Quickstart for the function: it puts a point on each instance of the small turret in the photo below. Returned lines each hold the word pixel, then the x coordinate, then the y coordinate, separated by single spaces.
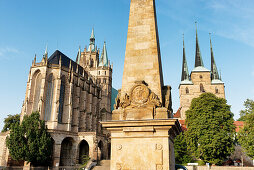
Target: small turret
pixel 104 57
pixel 185 73
pixel 199 65
pixel 92 42
pixel 198 57
pixel 78 56
pixel 214 70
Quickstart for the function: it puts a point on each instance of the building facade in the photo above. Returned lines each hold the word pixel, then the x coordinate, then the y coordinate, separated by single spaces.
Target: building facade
pixel 72 97
pixel 199 81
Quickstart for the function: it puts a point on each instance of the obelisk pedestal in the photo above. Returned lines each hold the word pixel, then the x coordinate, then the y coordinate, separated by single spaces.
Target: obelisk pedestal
pixel 142 130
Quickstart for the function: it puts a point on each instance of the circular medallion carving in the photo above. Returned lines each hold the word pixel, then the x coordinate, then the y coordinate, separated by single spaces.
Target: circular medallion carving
pixel 119 147
pixel 159 146
pixel 139 94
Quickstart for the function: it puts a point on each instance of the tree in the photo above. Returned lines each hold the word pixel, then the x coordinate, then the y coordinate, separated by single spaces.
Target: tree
pixel 249 109
pixel 10 121
pixel 210 133
pixel 246 135
pixel 182 155
pixel 30 141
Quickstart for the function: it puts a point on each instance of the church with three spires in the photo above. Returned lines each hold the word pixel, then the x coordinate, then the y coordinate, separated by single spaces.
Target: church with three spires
pixel 199 81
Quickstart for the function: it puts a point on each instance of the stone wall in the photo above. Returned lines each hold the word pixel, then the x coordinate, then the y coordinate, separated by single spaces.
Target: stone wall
pixel 3 149
pixel 219 168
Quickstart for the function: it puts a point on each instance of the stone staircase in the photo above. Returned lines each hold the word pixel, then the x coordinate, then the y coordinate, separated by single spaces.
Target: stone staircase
pixel 104 165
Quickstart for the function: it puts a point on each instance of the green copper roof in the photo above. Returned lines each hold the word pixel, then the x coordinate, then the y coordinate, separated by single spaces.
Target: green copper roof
pixel 200 69
pixel 185 72
pixel 214 70
pixel 92 34
pixel 104 56
pixel 198 57
pixel 91 47
pixel 78 56
pixel 217 81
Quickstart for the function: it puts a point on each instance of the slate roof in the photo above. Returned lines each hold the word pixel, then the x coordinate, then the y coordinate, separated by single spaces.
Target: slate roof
pixel 55 57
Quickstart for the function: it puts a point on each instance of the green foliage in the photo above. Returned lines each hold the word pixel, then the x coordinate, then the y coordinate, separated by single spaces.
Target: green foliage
pixel 85 159
pixel 210 134
pixel 10 121
pixel 30 141
pixel 249 109
pixel 246 135
pixel 182 155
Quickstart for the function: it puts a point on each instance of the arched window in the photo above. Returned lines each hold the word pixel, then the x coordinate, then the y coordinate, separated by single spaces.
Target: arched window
pixel 92 62
pixel 61 100
pixel 105 72
pixel 202 88
pixel 49 97
pixel 99 72
pixel 216 90
pixel 187 90
pixel 36 90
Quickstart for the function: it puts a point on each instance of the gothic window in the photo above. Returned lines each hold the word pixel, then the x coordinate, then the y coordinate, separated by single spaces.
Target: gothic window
pixel 216 90
pixel 36 90
pixel 187 90
pixel 49 97
pixel 202 88
pixel 61 100
pixel 92 62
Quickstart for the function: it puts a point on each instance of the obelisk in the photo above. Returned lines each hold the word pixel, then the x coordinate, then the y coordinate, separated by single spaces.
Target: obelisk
pixel 142 132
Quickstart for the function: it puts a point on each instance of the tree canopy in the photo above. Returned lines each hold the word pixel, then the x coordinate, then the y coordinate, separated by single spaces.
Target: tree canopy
pixel 246 135
pixel 182 155
pixel 210 133
pixel 249 109
pixel 10 121
pixel 30 141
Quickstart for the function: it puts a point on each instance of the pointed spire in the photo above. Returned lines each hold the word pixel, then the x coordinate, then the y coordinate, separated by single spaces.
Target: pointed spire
pixel 34 60
pixel 185 72
pixel 104 56
pixel 78 56
pixel 198 57
pixel 214 70
pixel 92 34
pixel 91 47
pixel 46 52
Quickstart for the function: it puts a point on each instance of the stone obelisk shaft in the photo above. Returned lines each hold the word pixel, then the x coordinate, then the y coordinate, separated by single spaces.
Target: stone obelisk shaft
pixel 142 57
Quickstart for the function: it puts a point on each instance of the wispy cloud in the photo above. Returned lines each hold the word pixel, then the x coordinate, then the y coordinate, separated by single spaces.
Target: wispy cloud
pixel 234 19
pixel 7 52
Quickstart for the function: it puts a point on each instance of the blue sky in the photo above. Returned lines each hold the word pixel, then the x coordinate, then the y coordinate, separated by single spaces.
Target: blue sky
pixel 27 26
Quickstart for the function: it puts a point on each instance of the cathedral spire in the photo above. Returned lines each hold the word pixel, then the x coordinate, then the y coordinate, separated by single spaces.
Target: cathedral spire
pixel 214 70
pixel 92 42
pixel 46 52
pixel 104 56
pixel 198 57
pixel 185 72
pixel 78 56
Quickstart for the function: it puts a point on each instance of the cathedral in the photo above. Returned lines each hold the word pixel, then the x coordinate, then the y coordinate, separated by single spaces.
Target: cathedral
pixel 72 97
pixel 199 81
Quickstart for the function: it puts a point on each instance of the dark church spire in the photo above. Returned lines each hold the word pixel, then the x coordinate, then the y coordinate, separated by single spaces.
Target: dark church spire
pixel 185 72
pixel 214 70
pixel 198 57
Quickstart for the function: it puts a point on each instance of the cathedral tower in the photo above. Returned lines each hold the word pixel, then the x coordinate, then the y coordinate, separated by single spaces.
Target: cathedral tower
pixel 200 80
